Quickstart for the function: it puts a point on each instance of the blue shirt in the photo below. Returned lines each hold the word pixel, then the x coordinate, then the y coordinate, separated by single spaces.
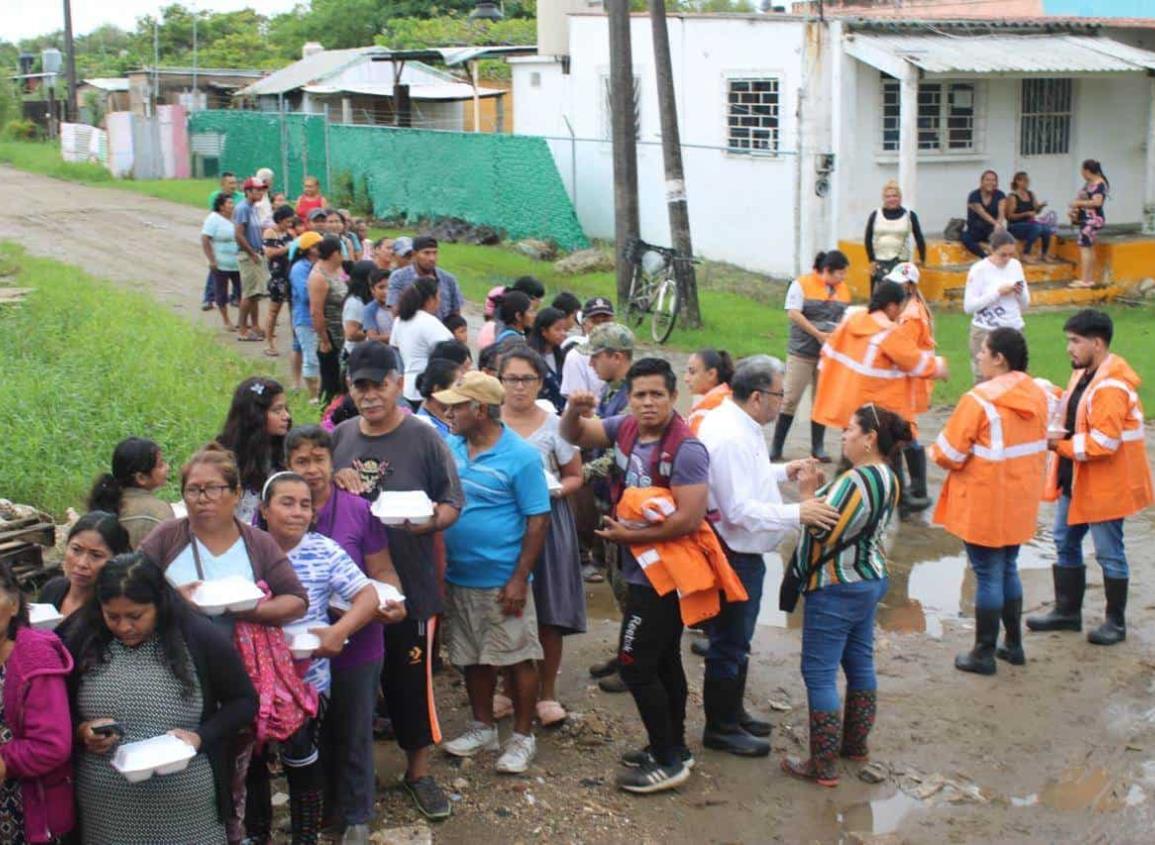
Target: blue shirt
pixel 451 298
pixel 299 292
pixel 503 486
pixel 245 214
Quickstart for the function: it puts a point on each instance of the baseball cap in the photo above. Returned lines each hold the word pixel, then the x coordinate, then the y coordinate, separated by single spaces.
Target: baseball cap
pixel 318 213
pixel 475 386
pixel 253 182
pixel 403 246
pixel 491 299
pixel 372 360
pixel 308 240
pixel 597 306
pixel 608 337
pixel 905 273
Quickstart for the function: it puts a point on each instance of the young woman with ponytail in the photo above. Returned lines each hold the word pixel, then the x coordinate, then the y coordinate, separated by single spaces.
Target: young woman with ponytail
pixel 129 491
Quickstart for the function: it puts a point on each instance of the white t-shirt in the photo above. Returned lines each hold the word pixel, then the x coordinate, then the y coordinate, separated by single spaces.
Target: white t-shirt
pixel 991 309
pixel 795 299
pixel 578 374
pixel 415 339
pixel 352 312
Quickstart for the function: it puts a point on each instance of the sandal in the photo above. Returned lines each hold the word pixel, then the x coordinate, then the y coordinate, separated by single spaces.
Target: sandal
pixel 550 713
pixel 272 353
pixel 502 707
pixel 248 337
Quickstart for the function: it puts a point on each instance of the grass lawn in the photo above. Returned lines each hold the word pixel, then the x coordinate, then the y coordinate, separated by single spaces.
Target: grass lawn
pixel 120 365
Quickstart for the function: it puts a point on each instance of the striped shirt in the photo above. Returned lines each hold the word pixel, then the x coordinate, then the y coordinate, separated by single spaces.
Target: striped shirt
pixel 845 553
pixel 324 570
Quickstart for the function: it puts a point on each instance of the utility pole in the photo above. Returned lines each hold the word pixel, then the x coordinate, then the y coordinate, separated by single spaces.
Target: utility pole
pixel 672 158
pixel 624 132
pixel 70 111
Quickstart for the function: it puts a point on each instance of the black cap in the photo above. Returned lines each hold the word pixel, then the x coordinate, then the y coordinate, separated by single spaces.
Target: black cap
pixel 372 360
pixel 598 305
pixel 424 242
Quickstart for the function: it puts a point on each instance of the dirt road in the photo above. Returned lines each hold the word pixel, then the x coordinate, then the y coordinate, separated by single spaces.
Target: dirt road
pixel 1062 750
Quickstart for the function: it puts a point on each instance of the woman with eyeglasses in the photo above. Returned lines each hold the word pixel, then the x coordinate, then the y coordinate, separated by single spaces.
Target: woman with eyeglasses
pixel 558 591
pixel 842 571
pixel 212 543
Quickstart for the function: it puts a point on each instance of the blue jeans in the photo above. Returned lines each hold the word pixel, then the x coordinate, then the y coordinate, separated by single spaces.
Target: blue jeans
pixel 733 628
pixel 210 288
pixel 973 240
pixel 1029 231
pixel 351 770
pixel 838 628
pixel 997 571
pixel 1107 538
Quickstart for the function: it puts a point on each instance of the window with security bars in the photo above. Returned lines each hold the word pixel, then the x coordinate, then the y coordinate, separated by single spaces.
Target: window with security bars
pixel 1045 122
pixel 752 116
pixel 608 108
pixel 946 116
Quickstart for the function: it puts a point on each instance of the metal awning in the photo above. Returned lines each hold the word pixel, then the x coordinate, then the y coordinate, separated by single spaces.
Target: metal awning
pixel 445 92
pixel 999 55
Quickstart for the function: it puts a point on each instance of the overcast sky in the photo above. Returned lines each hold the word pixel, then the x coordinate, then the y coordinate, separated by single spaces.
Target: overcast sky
pixel 26 18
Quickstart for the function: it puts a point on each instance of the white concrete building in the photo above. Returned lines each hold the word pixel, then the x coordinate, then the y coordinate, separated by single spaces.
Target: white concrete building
pixel 780 113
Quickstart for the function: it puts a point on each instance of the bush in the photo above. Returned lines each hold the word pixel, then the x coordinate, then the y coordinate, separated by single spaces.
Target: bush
pixel 22 130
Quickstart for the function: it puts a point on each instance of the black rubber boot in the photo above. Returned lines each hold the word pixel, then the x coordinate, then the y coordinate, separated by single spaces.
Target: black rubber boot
pixel 914 498
pixel 750 724
pixel 818 442
pixel 1067 614
pixel 981 659
pixel 1114 630
pixel 1012 648
pixel 781 429
pixel 722 732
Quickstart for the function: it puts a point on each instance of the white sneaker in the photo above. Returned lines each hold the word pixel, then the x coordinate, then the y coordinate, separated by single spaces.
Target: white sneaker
pixel 477 737
pixel 519 753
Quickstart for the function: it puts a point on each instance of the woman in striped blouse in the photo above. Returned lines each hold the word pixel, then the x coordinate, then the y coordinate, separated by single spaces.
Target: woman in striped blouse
pixel 843 574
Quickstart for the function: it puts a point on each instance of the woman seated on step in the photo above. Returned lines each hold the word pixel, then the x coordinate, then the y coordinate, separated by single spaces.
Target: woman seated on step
pixel 1024 220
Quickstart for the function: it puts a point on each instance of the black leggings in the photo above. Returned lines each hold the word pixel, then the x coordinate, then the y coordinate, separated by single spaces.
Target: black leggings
pixel 650 660
pixel 330 371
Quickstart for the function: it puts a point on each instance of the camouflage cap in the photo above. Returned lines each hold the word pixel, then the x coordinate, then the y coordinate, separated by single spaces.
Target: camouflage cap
pixel 608 337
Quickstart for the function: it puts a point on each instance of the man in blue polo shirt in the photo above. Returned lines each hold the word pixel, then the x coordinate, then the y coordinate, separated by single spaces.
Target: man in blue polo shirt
pixel 491 622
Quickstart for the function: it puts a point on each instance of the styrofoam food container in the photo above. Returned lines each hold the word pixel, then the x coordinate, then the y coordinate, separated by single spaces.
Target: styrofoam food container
pixel 385 592
pixel 179 510
pixel 552 482
pixel 396 507
pixel 43 616
pixel 233 593
pixel 161 755
pixel 302 641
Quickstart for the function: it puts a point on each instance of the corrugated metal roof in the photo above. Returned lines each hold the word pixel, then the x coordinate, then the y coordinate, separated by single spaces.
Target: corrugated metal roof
pixel 108 83
pixel 314 68
pixel 446 91
pixel 1025 54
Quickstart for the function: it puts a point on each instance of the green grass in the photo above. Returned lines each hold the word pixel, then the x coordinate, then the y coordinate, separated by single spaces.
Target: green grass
pixel 84 364
pixel 44 158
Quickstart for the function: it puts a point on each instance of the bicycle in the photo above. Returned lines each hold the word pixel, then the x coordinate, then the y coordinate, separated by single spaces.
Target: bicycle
pixel 654 288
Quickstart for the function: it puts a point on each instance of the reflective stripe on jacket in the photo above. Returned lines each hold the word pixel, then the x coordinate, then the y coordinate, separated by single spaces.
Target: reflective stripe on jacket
pixel 916 314
pixel 1111 479
pixel 994 448
pixel 870 358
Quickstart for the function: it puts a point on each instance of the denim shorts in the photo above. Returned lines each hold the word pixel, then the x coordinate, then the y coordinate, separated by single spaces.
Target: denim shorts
pixel 307 338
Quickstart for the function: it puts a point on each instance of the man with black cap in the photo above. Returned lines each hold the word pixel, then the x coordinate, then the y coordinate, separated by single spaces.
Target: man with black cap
pixel 425 264
pixel 384 449
pixel 577 373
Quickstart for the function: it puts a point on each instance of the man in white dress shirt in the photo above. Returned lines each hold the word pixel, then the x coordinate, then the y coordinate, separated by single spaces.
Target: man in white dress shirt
pixel 751 519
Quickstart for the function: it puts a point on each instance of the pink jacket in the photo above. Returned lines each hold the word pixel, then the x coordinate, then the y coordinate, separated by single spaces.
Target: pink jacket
pixel 37 712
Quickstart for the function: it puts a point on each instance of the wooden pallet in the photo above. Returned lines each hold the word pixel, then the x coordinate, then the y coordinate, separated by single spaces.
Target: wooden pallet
pixel 22 543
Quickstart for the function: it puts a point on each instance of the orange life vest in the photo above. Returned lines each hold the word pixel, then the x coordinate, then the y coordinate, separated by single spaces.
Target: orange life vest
pixel 1111 478
pixel 705 403
pixel 870 358
pixel 915 313
pixel 994 448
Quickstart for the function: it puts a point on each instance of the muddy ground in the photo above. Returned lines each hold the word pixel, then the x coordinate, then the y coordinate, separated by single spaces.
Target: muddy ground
pixel 1061 750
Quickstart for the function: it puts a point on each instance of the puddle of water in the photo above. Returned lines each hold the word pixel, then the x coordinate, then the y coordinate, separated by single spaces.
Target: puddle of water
pixel 1078 789
pixel 878 817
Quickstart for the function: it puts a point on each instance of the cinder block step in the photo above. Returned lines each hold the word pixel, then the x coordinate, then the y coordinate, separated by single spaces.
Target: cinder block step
pixel 1052 293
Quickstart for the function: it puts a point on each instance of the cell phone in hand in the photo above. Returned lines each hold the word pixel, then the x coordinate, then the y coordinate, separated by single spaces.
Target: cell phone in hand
pixel 110 729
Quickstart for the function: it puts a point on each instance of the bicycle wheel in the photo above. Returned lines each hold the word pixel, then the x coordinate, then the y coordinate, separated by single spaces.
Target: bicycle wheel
pixel 635 310
pixel 664 310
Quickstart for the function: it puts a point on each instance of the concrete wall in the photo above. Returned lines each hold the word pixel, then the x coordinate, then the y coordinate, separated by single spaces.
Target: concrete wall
pixel 504 181
pixel 741 206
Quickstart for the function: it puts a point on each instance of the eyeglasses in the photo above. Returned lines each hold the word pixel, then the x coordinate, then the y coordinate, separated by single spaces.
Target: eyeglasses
pixel 211 492
pixel 520 381
pixel 779 393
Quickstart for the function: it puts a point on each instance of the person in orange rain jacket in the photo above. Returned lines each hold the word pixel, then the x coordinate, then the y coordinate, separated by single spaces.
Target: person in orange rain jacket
pixel 916 314
pixel 708 374
pixel 994 449
pixel 1098 474
pixel 870 358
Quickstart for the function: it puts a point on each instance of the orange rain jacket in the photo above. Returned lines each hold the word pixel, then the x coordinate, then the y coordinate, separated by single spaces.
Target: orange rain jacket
pixel 1111 478
pixel 695 565
pixel 915 313
pixel 994 448
pixel 870 358
pixel 706 403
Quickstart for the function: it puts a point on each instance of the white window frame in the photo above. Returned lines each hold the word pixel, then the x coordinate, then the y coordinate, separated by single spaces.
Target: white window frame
pixel 942 150
pixel 779 91
pixel 1057 119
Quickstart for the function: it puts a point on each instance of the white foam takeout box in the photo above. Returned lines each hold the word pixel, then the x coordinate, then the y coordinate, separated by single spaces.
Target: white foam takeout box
pixel 43 616
pixel 302 642
pixel 385 592
pixel 396 507
pixel 233 593
pixel 161 755
pixel 553 483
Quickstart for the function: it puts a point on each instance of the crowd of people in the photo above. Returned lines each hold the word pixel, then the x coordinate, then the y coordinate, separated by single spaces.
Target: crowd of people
pixel 557 458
